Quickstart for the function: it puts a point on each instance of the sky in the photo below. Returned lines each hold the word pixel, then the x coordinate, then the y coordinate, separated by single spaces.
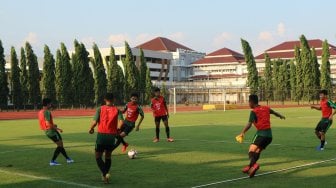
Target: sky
pixel 202 25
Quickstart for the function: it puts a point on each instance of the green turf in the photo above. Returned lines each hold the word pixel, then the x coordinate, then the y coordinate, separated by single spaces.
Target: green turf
pixel 204 152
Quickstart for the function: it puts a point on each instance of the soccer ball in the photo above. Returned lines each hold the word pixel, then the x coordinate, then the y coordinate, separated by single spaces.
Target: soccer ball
pixel 132 154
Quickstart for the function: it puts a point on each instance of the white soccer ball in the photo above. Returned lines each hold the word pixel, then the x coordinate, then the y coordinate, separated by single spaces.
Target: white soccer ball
pixel 132 154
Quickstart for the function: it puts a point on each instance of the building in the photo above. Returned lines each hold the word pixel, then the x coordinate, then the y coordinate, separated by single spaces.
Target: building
pixel 183 57
pixel 224 66
pixel 285 51
pixel 158 62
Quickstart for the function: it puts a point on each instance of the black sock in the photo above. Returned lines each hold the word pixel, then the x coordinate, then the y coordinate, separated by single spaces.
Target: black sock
pixel 62 150
pixel 322 143
pixel 122 141
pixel 101 165
pixel 56 153
pixel 157 130
pixel 107 165
pixel 253 158
pixel 168 132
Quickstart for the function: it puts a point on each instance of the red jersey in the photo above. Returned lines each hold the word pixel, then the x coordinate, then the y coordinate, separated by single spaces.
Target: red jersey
pixel 326 109
pixel 108 119
pixel 158 106
pixel 263 117
pixel 44 116
pixel 132 111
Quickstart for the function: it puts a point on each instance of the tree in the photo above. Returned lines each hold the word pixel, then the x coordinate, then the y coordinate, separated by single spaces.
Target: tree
pixel 276 85
pixel 316 72
pixel 48 78
pixel 293 79
pixel 283 80
pixel 131 71
pixel 4 91
pixel 252 77
pixel 100 76
pixel 268 78
pixel 308 67
pixel 64 88
pixel 34 92
pixel 143 72
pixel 149 86
pixel 115 77
pixel 16 95
pixel 325 68
pixel 299 75
pixel 24 77
pixel 83 81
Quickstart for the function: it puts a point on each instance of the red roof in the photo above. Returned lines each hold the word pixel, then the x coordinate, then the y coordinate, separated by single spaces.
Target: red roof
pixel 223 55
pixel 285 50
pixel 162 44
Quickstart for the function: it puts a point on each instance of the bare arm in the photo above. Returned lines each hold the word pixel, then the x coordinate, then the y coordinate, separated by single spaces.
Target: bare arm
pixel 277 114
pixel 166 108
pixel 246 128
pixel 140 121
pixel 93 125
pixel 316 107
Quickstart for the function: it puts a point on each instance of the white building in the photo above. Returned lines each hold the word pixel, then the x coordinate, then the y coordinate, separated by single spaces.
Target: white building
pixel 183 57
pixel 285 51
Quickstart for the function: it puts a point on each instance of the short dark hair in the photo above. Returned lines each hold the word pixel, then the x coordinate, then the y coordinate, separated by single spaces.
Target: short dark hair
pixel 46 101
pixel 135 95
pixel 323 91
pixel 254 99
pixel 109 96
pixel 156 89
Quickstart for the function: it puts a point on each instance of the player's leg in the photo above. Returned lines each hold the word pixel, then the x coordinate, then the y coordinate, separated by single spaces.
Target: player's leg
pixel 100 163
pixel 120 137
pixel 323 128
pixel 165 122
pixel 61 148
pixel 157 129
pixel 128 129
pixel 58 141
pixel 108 162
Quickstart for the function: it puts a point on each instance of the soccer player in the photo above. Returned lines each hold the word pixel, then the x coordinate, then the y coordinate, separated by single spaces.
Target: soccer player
pixel 106 118
pixel 133 110
pixel 260 117
pixel 52 132
pixel 160 112
pixel 323 125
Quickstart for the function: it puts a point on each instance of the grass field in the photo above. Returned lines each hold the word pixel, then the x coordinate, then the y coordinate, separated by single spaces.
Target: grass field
pixel 204 152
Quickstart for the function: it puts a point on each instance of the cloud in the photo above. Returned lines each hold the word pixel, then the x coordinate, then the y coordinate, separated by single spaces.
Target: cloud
pixel 31 38
pixel 220 39
pixel 143 37
pixel 281 29
pixel 265 36
pixel 178 36
pixel 88 41
pixel 118 39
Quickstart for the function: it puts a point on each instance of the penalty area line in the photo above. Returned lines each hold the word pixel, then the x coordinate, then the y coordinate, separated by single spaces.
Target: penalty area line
pixel 47 179
pixel 265 173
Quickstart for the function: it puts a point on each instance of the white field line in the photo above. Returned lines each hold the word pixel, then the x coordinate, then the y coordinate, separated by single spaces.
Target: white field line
pixel 265 173
pixel 47 179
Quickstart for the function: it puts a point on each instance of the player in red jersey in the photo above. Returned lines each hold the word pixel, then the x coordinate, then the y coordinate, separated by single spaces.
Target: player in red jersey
pixel 107 118
pixel 132 110
pixel 323 125
pixel 160 112
pixel 47 124
pixel 260 117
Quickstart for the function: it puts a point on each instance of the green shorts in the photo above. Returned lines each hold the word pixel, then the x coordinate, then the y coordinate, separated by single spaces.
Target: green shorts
pixel 127 127
pixel 105 142
pixel 323 125
pixel 53 135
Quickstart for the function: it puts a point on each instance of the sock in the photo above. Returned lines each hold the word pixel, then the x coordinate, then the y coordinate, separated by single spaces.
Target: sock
pixel 107 165
pixel 157 130
pixel 101 165
pixel 253 158
pixel 56 153
pixel 122 141
pixel 322 143
pixel 168 132
pixel 62 150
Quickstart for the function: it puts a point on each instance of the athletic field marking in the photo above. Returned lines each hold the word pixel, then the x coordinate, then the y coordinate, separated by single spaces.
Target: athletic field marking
pixel 221 141
pixel 265 173
pixel 47 179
